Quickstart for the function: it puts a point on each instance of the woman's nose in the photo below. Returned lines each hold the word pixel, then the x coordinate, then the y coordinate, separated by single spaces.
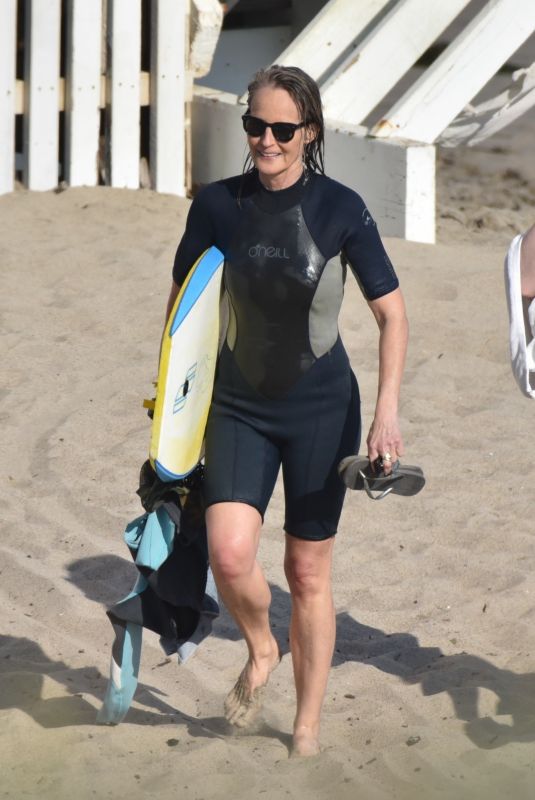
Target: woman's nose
pixel 267 137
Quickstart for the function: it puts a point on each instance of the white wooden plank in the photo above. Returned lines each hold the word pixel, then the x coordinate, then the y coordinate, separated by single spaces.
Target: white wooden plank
pixel 420 194
pixel 366 76
pixel 124 41
pixel 460 72
pixel 396 180
pixel 8 38
pixel 331 31
pixel 169 93
pixel 41 74
pixel 205 26
pixel 477 123
pixel 82 98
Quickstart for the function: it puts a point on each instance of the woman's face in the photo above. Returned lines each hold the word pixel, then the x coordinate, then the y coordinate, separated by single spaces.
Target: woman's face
pixel 279 164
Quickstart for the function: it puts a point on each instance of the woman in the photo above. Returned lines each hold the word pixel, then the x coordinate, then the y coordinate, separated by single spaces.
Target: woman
pixel 284 390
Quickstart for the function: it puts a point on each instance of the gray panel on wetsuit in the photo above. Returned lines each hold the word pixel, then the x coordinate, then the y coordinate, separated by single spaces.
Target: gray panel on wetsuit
pixel 323 319
pixel 272 272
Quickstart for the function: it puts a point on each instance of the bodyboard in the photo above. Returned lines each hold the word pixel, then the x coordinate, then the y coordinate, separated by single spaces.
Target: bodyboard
pixel 186 370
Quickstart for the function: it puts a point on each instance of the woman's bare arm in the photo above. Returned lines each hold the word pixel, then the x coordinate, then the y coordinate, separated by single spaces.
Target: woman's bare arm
pixel 385 436
pixel 173 294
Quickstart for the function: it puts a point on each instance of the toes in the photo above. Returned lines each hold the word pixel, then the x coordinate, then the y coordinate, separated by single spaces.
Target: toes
pixel 247 710
pixel 235 697
pixel 242 705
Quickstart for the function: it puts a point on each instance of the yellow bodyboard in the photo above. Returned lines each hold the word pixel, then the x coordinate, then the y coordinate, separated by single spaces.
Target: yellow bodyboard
pixel 186 371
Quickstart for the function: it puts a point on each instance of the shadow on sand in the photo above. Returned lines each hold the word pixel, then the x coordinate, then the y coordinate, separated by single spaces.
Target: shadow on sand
pixel 24 666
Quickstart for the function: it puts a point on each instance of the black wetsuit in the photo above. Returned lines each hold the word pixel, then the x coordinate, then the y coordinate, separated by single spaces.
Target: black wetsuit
pixel 284 390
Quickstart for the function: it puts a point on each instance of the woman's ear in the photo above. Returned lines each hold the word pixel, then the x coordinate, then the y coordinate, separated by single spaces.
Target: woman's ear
pixel 310 134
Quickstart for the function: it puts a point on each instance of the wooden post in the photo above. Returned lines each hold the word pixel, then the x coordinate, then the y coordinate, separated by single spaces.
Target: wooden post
pixel 420 194
pixel 41 76
pixel 123 96
pixel 168 96
pixel 82 97
pixel 8 38
pixel 460 72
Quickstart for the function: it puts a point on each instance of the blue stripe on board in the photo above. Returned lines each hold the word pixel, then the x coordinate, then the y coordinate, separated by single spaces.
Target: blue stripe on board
pixel 166 475
pixel 204 271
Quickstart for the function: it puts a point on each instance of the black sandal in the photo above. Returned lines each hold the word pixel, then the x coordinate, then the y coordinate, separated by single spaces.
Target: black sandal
pixel 358 473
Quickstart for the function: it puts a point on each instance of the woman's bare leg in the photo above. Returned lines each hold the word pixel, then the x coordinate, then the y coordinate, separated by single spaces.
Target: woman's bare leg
pixel 233 537
pixel 312 633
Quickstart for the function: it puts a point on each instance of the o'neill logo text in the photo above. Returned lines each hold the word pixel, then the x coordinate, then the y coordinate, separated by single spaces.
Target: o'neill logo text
pixel 259 251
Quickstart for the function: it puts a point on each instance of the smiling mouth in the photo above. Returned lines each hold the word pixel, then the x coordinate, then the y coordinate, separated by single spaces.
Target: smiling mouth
pixel 267 155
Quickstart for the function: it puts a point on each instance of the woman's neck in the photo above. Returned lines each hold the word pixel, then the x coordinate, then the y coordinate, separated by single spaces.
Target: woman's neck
pixel 276 183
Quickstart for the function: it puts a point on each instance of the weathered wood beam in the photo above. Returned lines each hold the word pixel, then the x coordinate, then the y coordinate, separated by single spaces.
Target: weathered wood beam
pixel 391 48
pixel 457 75
pixel 477 123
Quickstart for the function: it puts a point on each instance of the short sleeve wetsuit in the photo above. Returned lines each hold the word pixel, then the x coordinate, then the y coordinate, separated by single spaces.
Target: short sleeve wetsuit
pixel 284 391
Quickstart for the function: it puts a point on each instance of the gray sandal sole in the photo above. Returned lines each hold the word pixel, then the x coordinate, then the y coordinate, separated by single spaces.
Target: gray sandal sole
pixel 357 473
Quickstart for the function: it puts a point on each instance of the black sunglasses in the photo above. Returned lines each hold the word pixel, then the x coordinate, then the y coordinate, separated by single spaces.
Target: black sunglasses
pixel 282 131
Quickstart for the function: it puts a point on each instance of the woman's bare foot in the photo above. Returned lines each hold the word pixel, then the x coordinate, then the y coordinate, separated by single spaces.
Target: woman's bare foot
pixel 245 700
pixel 305 742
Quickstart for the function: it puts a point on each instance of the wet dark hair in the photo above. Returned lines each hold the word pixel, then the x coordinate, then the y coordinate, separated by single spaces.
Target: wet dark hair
pixel 305 93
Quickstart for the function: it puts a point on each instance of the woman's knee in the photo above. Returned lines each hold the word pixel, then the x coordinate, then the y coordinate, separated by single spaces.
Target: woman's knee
pixel 230 559
pixel 232 543
pixel 307 575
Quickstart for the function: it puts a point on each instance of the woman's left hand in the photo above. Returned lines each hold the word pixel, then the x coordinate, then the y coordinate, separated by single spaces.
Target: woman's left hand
pixel 384 441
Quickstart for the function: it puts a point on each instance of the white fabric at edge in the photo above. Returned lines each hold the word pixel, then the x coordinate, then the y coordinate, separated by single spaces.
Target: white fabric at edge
pixel 522 357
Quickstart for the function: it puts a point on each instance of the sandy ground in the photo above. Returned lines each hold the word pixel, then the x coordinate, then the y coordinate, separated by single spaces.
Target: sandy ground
pixel 432 692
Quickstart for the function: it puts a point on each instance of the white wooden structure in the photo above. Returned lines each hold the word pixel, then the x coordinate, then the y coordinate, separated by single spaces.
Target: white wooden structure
pixel 359 51
pixel 382 123
pixel 102 91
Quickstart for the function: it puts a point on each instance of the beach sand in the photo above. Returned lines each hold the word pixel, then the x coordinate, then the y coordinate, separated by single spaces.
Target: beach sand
pixel 432 691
